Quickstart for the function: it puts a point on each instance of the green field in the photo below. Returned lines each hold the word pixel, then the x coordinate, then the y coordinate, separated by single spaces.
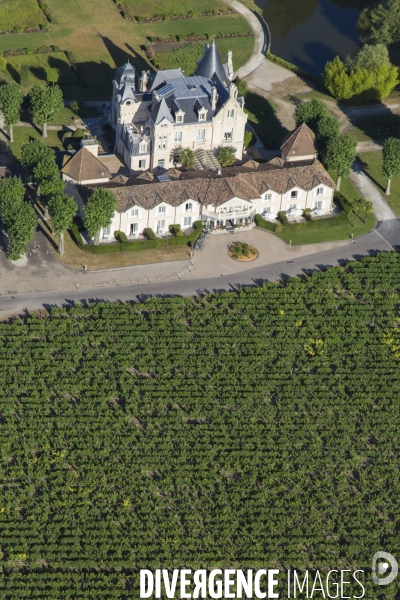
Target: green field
pixel 376 128
pixel 249 429
pixel 38 65
pixel 372 165
pixel 22 135
pixel 152 9
pixel 110 40
pixel 187 56
pixel 19 15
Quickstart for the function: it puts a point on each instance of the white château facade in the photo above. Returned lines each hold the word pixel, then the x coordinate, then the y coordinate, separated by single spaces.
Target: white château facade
pixel 157 115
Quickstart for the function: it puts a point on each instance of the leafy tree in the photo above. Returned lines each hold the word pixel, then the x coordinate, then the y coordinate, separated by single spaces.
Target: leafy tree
pixel 98 212
pixel 368 209
pixel 370 57
pixel 341 152
pixel 21 230
pixel 310 112
pixel 19 217
pixel 380 24
pixel 52 75
pixel 248 139
pixel 327 128
pixel 62 210
pixel 187 158
pixel 75 106
pixel 46 102
pixel 386 79
pixel 241 85
pixel 226 156
pixel 33 152
pixel 357 205
pixel 391 160
pixel 336 79
pixel 10 105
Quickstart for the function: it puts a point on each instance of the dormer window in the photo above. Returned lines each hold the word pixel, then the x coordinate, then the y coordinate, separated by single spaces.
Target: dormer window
pixel 202 116
pixel 142 148
pixel 230 113
pixel 179 118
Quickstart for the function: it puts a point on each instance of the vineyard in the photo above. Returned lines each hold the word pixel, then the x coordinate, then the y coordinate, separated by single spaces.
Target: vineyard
pixel 258 428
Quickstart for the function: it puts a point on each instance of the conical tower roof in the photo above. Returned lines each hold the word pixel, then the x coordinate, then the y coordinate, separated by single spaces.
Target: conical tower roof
pixel 211 64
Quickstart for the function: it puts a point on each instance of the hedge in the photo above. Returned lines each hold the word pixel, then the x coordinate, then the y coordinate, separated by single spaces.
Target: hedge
pixel 260 222
pixel 137 245
pixel 120 237
pixel 149 233
pixel 293 68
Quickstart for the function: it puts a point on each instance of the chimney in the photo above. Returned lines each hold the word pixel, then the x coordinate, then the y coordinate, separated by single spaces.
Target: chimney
pixel 213 97
pixel 143 81
pixel 230 65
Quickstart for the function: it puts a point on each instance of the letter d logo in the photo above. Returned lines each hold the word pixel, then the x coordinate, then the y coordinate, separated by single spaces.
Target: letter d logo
pixel 383 567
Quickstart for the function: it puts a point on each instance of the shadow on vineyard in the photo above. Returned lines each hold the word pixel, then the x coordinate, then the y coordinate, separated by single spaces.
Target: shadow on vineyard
pixel 256 428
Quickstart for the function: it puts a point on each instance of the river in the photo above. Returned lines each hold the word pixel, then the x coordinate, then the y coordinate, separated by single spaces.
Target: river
pixel 308 33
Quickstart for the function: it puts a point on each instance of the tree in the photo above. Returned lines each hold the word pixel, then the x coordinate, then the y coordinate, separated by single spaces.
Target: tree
pixel 310 112
pixel 327 128
pixel 34 151
pixel 340 155
pixel 62 210
pixel 52 75
pixel 75 106
pixel 45 102
pixel 19 217
pixel 370 57
pixel 368 209
pixel 390 160
pixel 226 156
pixel 380 24
pixel 357 205
pixel 187 158
pixel 98 212
pixel 10 105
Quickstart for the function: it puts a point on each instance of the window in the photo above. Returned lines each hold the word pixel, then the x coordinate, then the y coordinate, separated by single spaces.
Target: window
pixel 142 148
pixel 179 118
pixel 293 195
pixel 188 206
pixel 239 208
pixel 201 135
pixel 106 232
pixel 317 204
pixel 228 134
pixel 160 225
pixel 291 207
pixel 319 191
pixel 178 137
pixel 142 164
pixel 161 210
pixel 230 209
pixel 135 213
pixel 267 198
pixel 202 116
pixel 161 164
pixel 187 221
pixel 230 113
pixel 162 144
pixel 266 210
pixel 133 228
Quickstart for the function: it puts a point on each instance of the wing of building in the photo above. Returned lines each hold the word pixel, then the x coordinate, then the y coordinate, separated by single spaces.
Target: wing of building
pixel 157 115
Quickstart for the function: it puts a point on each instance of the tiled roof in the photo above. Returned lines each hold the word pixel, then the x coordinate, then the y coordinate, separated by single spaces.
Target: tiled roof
pixel 83 166
pixel 300 142
pixel 211 189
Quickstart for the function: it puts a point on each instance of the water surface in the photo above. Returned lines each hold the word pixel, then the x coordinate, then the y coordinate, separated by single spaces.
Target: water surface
pixel 308 33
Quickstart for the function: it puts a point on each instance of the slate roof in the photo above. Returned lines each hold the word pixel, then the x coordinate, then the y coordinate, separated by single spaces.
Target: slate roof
pixel 83 166
pixel 211 64
pixel 126 72
pixel 300 142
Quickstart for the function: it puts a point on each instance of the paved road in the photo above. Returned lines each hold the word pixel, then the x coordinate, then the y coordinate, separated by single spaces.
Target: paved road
pixel 367 245
pixel 366 188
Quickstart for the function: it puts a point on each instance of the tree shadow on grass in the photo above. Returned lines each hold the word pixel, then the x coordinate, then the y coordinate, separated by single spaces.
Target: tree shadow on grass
pixel 263 118
pixel 364 165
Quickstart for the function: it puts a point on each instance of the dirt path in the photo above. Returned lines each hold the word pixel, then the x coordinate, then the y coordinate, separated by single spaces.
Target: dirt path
pixel 366 188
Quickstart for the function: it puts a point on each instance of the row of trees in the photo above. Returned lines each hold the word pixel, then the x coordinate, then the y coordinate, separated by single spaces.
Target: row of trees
pixel 338 150
pixel 370 77
pixel 45 103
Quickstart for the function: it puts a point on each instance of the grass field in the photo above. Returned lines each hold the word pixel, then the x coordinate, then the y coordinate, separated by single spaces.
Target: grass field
pixel 26 134
pixel 187 56
pixel 38 65
pixel 355 227
pixel 19 15
pixel 376 128
pixel 101 40
pixel 372 165
pixel 171 8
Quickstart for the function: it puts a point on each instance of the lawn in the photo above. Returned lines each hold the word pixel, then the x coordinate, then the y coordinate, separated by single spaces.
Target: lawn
pixel 153 9
pixel 372 165
pixel 26 134
pixel 38 66
pixel 261 115
pixel 111 40
pixel 376 128
pixel 20 15
pixel 353 227
pixel 187 56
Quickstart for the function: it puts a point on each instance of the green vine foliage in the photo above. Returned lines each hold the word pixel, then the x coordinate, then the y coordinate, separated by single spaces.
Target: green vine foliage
pixel 257 428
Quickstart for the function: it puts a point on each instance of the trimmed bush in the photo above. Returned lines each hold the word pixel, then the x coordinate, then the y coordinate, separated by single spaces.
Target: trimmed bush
pixel 175 229
pixel 149 233
pixel 76 236
pixel 24 77
pixel 282 217
pixel 260 222
pixel 121 237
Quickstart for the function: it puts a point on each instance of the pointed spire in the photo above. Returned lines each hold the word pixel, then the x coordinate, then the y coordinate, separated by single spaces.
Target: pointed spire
pixel 211 64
